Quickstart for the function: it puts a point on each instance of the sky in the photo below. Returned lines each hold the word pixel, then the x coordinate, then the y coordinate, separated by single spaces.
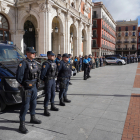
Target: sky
pixel 123 9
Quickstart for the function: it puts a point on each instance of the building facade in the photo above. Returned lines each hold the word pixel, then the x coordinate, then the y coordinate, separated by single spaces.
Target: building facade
pixel 104 31
pixel 126 37
pixel 63 26
pixel 138 46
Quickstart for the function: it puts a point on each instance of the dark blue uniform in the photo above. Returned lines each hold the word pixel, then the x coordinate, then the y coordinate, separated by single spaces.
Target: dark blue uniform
pixel 48 74
pixel 64 74
pixel 86 67
pixel 57 61
pixel 28 81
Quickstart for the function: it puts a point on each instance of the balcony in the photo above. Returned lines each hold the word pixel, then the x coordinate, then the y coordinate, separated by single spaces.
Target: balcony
pixel 126 42
pixel 95 26
pixel 133 42
pixel 133 36
pixel 94 36
pixel 126 49
pixel 138 42
pixel 119 42
pixel 118 49
pixel 133 49
pixel 94 46
pixel 94 16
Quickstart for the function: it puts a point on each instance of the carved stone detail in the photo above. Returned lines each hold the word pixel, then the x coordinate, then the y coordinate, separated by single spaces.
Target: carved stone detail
pixel 3 7
pixel 21 32
pixel 27 8
pixel 58 11
pixel 12 31
pixel 86 8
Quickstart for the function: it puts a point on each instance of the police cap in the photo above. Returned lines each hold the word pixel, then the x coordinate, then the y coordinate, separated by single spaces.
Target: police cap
pixel 59 55
pixel 30 49
pixel 65 55
pixel 50 53
pixel 85 55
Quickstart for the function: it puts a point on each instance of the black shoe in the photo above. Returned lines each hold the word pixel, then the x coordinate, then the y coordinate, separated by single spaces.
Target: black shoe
pixel 53 108
pixel 46 113
pixel 34 120
pixel 22 128
pixel 66 100
pixel 70 83
pixel 61 102
pixel 89 76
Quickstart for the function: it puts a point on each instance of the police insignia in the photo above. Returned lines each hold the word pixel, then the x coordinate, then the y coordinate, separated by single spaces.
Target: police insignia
pixel 44 66
pixel 58 64
pixel 20 65
pixel 33 47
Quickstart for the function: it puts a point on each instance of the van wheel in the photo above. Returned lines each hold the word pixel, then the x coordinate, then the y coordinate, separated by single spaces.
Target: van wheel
pixel 119 63
pixel 2 104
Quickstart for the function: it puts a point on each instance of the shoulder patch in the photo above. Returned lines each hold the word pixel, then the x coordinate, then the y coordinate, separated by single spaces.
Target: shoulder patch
pixel 20 65
pixel 44 66
pixel 58 64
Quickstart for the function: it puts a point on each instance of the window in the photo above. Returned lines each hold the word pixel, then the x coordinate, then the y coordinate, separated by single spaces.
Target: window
pixel 126 28
pixel 126 34
pixel 118 46
pixel 134 28
pixel 119 34
pixel 94 42
pixel 139 33
pixel 133 46
pixel 139 47
pixel 94 13
pixel 139 40
pixel 94 33
pixel 119 28
pixel 4 29
pixel 94 22
pixel 133 33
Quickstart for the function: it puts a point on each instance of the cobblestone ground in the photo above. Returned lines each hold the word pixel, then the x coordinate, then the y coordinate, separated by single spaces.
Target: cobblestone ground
pixel 99 110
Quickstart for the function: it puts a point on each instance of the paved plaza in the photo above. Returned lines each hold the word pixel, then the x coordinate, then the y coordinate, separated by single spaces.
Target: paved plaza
pixel 98 109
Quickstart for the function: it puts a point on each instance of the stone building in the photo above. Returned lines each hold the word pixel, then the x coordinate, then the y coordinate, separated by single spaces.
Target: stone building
pixel 63 26
pixel 126 39
pixel 104 31
pixel 138 44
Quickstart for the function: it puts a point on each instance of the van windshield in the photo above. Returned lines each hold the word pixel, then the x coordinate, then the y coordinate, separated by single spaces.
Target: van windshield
pixel 11 53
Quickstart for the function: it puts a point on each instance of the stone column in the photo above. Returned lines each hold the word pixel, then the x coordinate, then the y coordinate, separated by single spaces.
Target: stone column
pixel 13 35
pixel 62 42
pixel 19 40
pixel 89 38
pixel 75 46
pixel 36 44
pixel 80 39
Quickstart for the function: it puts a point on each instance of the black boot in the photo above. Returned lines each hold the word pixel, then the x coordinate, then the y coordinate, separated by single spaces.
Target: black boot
pixel 46 113
pixel 70 83
pixel 22 128
pixel 34 120
pixel 66 100
pixel 53 108
pixel 61 102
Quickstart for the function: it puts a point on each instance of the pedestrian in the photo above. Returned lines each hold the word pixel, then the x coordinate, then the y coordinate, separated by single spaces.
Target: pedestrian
pixel 86 67
pixel 57 61
pixel 76 63
pixel 64 73
pixel 28 75
pixel 80 63
pixel 104 61
pixel 101 61
pixel 48 74
pixel 93 62
pixel 83 63
pixel 128 59
pixel 139 58
pixel 97 62
pixel 90 65
pixel 70 62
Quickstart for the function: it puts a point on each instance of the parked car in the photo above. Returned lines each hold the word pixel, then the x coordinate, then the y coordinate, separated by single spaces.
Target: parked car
pixel 10 57
pixel 114 60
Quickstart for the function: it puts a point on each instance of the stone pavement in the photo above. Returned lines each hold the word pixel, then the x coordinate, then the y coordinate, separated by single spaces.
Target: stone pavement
pixel 98 110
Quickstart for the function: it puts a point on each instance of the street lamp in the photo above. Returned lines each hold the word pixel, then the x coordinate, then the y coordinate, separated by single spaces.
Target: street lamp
pixel 56 29
pixel 71 34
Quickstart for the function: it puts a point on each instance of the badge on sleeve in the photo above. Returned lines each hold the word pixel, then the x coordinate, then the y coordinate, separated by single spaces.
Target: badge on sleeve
pixel 20 65
pixel 58 64
pixel 44 66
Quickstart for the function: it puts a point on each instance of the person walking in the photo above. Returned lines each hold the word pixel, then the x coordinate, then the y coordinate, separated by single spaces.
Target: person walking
pixel 86 67
pixel 97 62
pixel 80 63
pixel 76 63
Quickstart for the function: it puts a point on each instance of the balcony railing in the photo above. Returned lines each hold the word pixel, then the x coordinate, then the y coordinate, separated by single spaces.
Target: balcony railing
pixel 94 46
pixel 126 49
pixel 94 26
pixel 126 42
pixel 133 49
pixel 138 41
pixel 133 41
pixel 119 42
pixel 118 49
pixel 94 16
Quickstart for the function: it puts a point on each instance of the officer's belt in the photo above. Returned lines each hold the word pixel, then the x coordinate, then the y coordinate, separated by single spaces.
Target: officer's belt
pixel 62 78
pixel 49 78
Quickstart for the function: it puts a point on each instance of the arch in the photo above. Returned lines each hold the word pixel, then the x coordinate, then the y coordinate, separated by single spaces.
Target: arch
pixel 57 38
pixel 4 28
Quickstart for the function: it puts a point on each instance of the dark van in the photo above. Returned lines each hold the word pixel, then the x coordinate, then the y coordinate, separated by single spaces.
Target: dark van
pixel 10 57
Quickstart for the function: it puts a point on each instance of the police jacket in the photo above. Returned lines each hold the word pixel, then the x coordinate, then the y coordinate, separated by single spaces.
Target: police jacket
pixel 86 63
pixel 27 71
pixel 49 70
pixel 64 70
pixel 57 61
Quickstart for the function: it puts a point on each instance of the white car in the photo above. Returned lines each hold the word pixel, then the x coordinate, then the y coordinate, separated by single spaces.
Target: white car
pixel 114 60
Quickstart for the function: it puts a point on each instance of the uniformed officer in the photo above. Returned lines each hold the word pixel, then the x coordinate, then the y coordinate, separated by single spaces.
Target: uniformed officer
pixel 48 74
pixel 139 58
pixel 70 62
pixel 86 67
pixel 28 76
pixel 90 65
pixel 57 61
pixel 64 73
pixel 76 62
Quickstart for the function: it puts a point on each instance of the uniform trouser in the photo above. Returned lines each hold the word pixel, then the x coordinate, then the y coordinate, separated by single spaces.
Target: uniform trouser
pixel 96 64
pixel 80 66
pixel 49 92
pixel 63 88
pixel 28 98
pixel 57 84
pixel 88 72
pixel 101 64
pixel 85 72
pixel 93 66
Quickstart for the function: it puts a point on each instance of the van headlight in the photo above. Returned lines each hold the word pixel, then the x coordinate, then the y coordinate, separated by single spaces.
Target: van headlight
pixel 12 82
